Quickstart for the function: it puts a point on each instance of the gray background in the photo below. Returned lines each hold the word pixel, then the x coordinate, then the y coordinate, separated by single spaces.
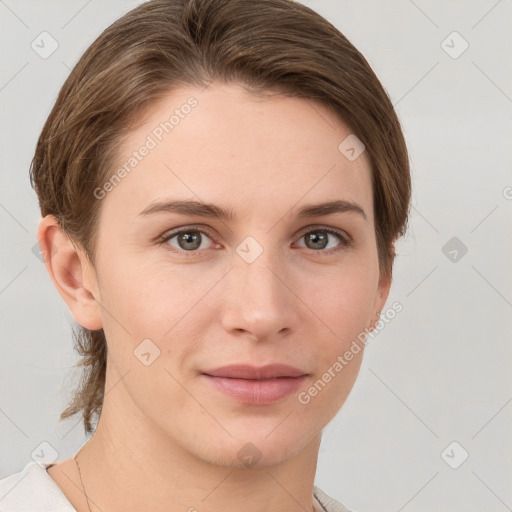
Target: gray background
pixel 439 372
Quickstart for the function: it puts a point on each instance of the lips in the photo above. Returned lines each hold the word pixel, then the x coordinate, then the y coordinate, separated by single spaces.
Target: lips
pixel 270 371
pixel 256 385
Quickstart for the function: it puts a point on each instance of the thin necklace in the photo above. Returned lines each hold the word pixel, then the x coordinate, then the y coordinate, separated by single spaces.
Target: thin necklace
pixel 81 481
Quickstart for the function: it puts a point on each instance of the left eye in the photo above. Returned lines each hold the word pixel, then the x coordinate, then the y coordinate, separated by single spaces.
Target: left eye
pixel 318 240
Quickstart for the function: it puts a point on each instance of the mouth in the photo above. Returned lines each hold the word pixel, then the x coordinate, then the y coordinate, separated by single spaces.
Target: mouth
pixel 256 385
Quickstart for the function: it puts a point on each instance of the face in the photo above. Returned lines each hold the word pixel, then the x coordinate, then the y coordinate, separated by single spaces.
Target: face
pixel 186 290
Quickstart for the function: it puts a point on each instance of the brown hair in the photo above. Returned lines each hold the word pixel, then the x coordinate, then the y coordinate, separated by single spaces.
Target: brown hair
pixel 265 45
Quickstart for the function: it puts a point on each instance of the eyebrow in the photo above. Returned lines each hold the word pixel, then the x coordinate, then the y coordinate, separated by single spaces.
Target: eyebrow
pixel 201 209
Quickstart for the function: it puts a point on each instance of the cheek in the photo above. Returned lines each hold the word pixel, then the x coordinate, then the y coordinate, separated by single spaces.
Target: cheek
pixel 342 306
pixel 143 302
pixel 144 323
pixel 342 301
pixel 341 317
pixel 142 293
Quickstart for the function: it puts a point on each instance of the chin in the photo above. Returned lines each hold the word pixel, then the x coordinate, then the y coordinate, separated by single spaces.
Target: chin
pixel 255 448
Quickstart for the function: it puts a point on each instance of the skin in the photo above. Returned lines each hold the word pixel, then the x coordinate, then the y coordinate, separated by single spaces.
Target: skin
pixel 163 429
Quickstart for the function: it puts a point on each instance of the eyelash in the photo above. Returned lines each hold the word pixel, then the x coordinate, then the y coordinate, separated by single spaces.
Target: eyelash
pixel 344 239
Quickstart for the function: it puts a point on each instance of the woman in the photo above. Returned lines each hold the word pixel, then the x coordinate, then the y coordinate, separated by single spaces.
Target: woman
pixel 221 184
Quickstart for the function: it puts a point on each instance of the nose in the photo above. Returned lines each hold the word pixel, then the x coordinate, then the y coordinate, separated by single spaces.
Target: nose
pixel 258 298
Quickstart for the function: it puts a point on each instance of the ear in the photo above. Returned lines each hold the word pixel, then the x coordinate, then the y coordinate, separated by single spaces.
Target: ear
pixel 380 298
pixel 71 272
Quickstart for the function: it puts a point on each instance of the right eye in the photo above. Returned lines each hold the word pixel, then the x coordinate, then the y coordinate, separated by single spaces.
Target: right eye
pixel 188 241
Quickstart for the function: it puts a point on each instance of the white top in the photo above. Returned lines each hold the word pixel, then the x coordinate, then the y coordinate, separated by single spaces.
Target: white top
pixel 33 490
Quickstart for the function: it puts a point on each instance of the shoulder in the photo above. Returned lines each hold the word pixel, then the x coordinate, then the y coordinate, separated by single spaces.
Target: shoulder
pixel 32 490
pixel 329 504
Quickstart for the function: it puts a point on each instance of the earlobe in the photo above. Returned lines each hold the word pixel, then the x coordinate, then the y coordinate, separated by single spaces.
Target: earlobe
pixel 71 273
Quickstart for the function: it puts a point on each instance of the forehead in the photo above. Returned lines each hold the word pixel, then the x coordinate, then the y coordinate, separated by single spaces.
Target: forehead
pixel 226 146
